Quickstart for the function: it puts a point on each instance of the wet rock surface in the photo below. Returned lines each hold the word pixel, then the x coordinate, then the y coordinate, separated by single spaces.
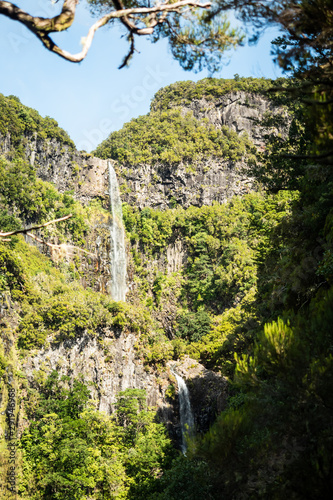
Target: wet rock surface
pixel 208 391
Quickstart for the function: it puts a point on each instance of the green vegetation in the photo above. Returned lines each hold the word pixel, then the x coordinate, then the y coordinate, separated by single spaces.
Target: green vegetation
pixel 275 438
pixel 281 409
pixel 210 89
pixel 54 305
pixel 20 122
pixel 193 326
pixel 170 137
pixel 227 250
pixel 26 199
pixel 250 297
pixel 72 451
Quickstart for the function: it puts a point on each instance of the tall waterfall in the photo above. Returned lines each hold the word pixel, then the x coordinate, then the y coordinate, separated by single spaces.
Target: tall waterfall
pixel 117 233
pixel 186 415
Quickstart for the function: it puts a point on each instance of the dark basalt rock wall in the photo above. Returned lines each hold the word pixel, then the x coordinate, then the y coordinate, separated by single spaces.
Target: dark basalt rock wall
pixel 107 363
pixel 162 185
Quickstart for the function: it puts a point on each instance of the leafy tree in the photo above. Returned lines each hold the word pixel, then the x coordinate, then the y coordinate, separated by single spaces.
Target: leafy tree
pixel 147 449
pixel 130 414
pixel 194 39
pixel 72 451
pixel 170 137
pixel 19 120
pixel 187 479
pixel 193 326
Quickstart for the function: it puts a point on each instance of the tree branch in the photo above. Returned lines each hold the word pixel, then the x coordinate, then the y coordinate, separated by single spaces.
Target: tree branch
pixel 130 53
pixel 315 102
pixel 46 25
pixel 42 27
pixel 309 157
pixel 23 231
pixel 62 245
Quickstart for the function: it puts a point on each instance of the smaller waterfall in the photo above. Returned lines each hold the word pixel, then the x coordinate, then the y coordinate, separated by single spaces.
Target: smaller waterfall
pixel 117 237
pixel 185 410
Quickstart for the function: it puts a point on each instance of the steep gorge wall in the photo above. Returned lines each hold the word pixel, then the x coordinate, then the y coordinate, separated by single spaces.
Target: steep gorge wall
pixel 107 363
pixel 110 363
pixel 157 185
pixel 213 179
pixel 67 169
pixel 245 113
pixel 161 185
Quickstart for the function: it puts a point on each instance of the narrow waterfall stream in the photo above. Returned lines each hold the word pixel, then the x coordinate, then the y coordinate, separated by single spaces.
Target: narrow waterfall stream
pixel 185 411
pixel 117 234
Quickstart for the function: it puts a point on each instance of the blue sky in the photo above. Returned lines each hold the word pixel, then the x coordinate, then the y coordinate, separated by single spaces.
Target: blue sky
pixel 93 98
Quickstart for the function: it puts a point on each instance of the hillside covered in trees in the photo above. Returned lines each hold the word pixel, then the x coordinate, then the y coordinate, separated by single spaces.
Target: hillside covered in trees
pixel 247 294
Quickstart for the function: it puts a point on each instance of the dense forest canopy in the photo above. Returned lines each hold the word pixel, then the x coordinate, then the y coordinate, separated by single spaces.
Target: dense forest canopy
pixel 183 93
pixel 171 138
pixel 18 120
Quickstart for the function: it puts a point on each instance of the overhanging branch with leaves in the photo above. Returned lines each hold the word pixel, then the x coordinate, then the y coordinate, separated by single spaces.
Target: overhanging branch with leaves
pixel 141 20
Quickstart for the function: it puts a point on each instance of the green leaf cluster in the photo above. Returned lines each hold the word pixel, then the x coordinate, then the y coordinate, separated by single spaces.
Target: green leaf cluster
pixel 184 92
pixel 72 451
pixel 171 137
pixel 26 199
pixel 20 122
pixel 193 326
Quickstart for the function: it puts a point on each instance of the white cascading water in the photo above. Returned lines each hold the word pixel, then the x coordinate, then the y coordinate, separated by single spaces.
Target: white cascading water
pixel 185 410
pixel 117 234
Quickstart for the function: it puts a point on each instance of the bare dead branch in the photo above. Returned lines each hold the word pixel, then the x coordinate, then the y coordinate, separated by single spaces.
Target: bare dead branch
pixel 61 246
pixel 24 231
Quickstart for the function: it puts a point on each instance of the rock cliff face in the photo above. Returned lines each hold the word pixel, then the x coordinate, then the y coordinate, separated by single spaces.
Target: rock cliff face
pixel 162 185
pixel 212 180
pixel 159 186
pixel 108 363
pixel 208 391
pixel 67 169
pixel 243 112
